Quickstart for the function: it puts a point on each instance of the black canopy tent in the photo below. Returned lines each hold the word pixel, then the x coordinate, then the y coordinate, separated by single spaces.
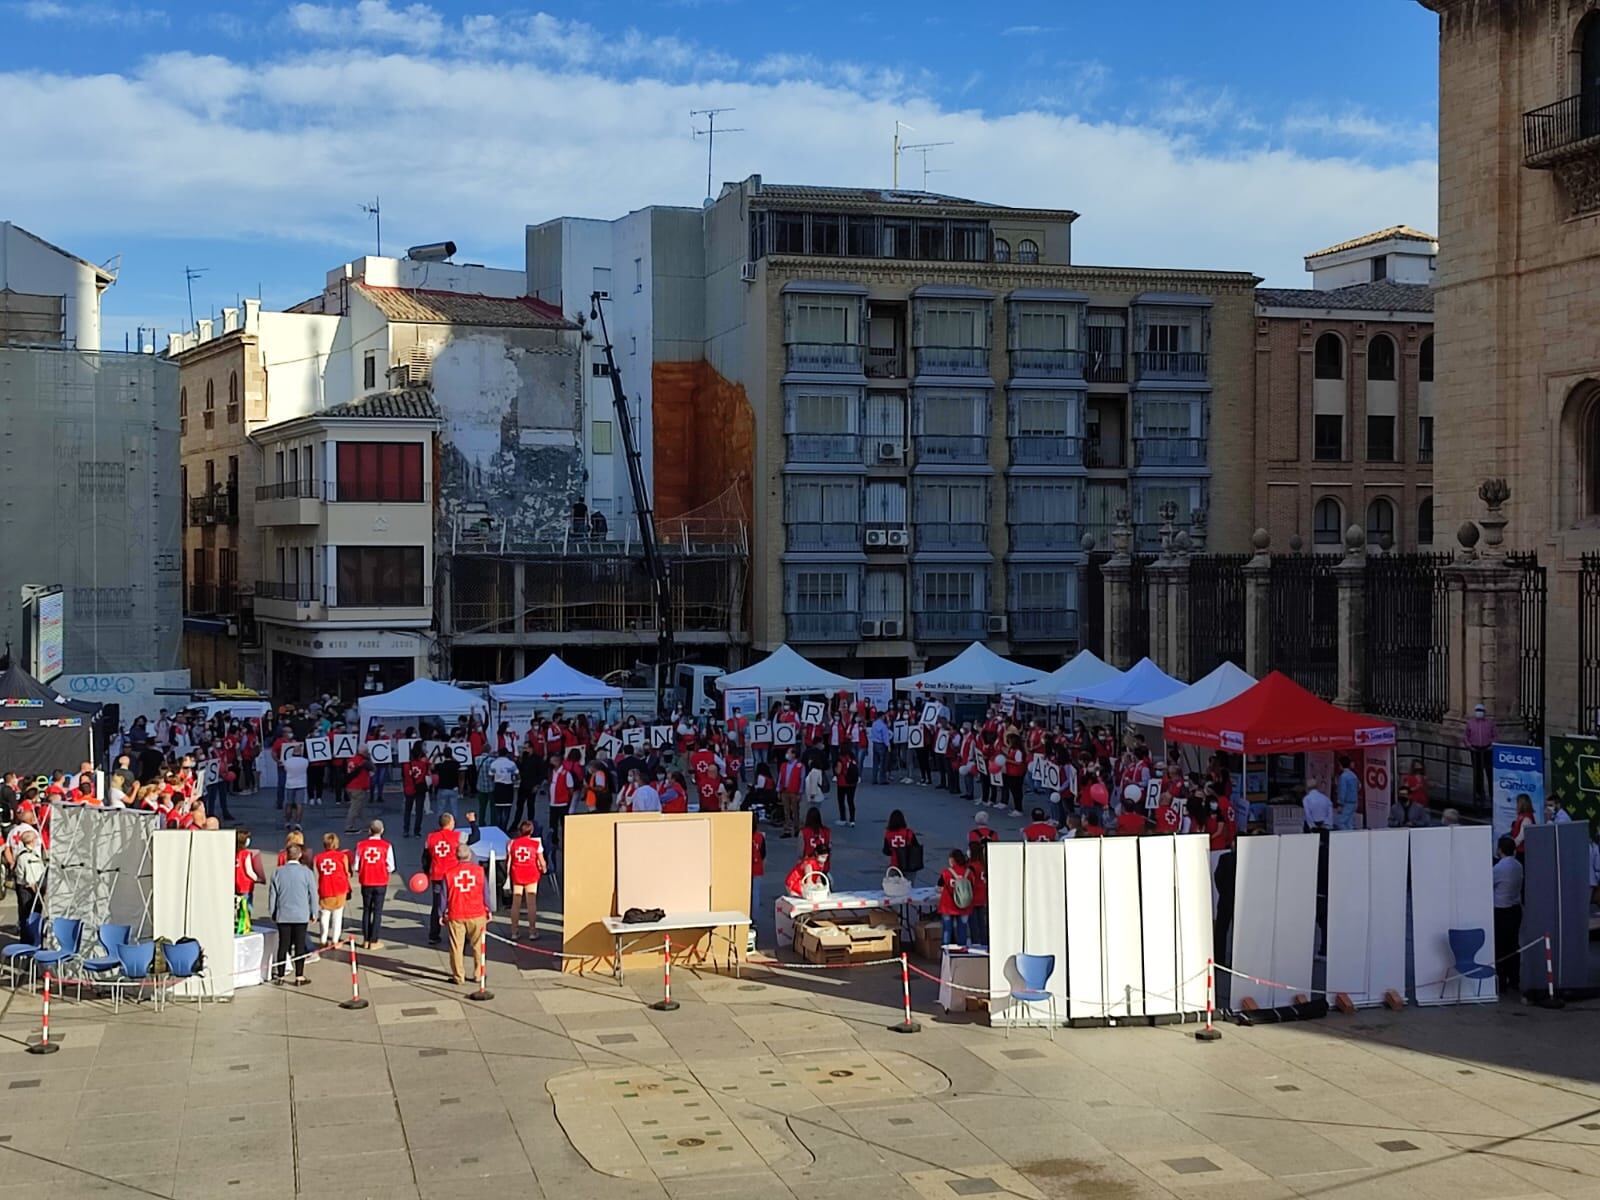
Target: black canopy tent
pixel 40 731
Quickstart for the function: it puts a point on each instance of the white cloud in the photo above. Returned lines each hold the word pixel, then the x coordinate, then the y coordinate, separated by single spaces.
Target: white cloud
pixel 1355 127
pixel 88 15
pixel 415 25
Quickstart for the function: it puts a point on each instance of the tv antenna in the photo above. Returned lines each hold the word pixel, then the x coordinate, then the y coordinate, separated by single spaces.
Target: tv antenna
pixel 190 274
pixel 924 147
pixel 376 213
pixel 895 174
pixel 710 134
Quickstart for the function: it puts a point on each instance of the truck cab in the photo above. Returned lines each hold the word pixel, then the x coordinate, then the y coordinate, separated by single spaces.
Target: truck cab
pixel 695 686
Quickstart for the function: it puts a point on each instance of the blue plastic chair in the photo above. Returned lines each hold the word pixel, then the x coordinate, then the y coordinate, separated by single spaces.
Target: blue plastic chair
pixel 138 961
pixel 1035 970
pixel 67 933
pixel 183 962
pixel 110 937
pixel 1464 947
pixel 12 955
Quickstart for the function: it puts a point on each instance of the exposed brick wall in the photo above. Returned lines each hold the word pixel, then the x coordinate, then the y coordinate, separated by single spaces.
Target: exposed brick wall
pixel 704 433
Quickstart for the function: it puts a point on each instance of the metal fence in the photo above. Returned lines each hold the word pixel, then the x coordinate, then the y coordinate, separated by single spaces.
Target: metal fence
pixel 1588 642
pixel 1216 611
pixel 1532 594
pixel 1139 616
pixel 1407 667
pixel 1092 603
pixel 1303 619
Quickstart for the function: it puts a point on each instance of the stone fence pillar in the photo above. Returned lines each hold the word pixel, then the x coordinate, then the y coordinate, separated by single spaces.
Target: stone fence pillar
pixel 1117 574
pixel 1257 607
pixel 1485 632
pixel 1351 575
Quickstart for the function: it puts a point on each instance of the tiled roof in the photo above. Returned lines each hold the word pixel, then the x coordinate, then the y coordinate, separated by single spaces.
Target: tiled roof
pixel 1403 233
pixel 1363 297
pixel 426 307
pixel 414 402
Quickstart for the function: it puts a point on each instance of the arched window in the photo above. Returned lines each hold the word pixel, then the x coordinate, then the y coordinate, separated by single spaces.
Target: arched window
pixel 1578 470
pixel 1425 522
pixel 1380 358
pixel 183 411
pixel 209 415
pixel 233 397
pixel 1425 360
pixel 1326 520
pixel 1589 75
pixel 1329 357
pixel 1380 523
pixel 1002 250
pixel 1027 251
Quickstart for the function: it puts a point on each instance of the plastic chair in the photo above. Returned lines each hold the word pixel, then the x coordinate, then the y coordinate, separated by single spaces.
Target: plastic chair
pixel 138 961
pixel 1035 970
pixel 110 937
pixel 183 962
pixel 1464 947
pixel 25 948
pixel 67 933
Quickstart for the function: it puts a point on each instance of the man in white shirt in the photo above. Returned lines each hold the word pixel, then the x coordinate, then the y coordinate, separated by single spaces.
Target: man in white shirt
pixel 645 797
pixel 503 775
pixel 1507 878
pixel 1318 809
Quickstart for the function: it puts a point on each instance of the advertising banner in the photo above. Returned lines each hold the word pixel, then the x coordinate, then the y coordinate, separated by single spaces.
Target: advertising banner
pixel 1518 771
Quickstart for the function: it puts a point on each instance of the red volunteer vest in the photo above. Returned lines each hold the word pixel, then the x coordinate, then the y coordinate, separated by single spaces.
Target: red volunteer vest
pixel 463 888
pixel 523 857
pixel 333 874
pixel 441 844
pixel 372 862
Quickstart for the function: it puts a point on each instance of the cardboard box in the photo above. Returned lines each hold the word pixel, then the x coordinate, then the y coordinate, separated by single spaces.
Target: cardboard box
pixel 827 943
pixel 928 940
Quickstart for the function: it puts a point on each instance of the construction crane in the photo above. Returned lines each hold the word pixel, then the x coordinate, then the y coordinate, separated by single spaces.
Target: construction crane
pixel 660 582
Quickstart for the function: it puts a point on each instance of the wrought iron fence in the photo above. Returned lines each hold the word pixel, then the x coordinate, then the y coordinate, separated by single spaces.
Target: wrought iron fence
pixel 1588 642
pixel 1532 592
pixel 1139 608
pixel 1216 611
pixel 1092 603
pixel 1407 617
pixel 1303 621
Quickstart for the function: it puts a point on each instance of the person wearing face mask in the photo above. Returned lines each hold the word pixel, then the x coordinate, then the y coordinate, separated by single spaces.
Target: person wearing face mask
pixel 791 786
pixel 246 876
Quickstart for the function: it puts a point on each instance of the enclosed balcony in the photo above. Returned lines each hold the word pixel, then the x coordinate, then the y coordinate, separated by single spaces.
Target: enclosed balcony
pixel 823 535
pixel 1043 625
pixel 952 360
pixel 823 626
pixel 825 357
pixel 1169 451
pixel 1172 364
pixel 1064 536
pixel 841 448
pixel 1047 363
pixel 952 535
pixel 952 448
pixel 1046 450
pixel 951 626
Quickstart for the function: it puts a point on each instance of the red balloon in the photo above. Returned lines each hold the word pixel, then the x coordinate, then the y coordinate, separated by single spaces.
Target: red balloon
pixel 419 882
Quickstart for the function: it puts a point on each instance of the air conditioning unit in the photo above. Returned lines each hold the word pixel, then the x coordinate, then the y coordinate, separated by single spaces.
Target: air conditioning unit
pixel 892 629
pixel 871 629
pixel 877 537
pixel 747 272
pixel 891 452
pixel 899 537
pixel 997 624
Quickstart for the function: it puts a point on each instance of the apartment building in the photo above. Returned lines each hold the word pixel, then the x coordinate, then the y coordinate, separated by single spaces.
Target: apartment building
pixel 1344 397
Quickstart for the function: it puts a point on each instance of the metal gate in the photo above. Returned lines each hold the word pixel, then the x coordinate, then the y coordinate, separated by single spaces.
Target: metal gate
pixel 1407 616
pixel 1139 607
pixel 1216 611
pixel 1303 621
pixel 1532 593
pixel 1588 643
pixel 1092 603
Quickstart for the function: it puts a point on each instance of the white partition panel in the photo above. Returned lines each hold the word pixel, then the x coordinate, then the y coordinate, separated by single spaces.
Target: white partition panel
pixel 1045 919
pixel 193 897
pixel 1294 939
pixel 1431 912
pixel 1120 922
pixel 1472 903
pixel 1367 914
pixel 1255 902
pixel 1006 922
pixel 1086 981
pixel 1158 896
pixel 1192 877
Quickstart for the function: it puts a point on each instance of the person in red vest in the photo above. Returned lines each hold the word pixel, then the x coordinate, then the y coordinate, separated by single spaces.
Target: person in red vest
pixel 332 867
pixel 978 868
pixel 1093 823
pixel 526 866
pixel 707 778
pixel 246 875
pixel 566 782
pixel 758 870
pixel 791 781
pixel 816 839
pixel 955 899
pixel 674 794
pixel 466 911
pixel 1038 830
pixel 374 865
pixel 898 838
pixel 1167 816
pixel 1131 820
pixel 980 831
pixel 438 857
pixel 414 776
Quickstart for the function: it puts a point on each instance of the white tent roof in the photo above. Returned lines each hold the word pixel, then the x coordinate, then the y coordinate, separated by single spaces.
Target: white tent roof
pixel 786 673
pixel 1222 685
pixel 976 670
pixel 553 682
pixel 419 698
pixel 1143 683
pixel 1086 669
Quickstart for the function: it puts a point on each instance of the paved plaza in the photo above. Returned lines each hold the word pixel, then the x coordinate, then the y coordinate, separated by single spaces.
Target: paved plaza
pixel 776 1084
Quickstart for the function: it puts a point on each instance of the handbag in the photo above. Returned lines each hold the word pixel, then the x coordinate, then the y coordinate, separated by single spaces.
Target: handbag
pixel 814 885
pixel 911 856
pixel 896 886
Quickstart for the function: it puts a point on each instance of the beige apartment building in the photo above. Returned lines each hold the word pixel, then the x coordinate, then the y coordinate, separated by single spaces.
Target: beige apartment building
pixel 946 407
pixel 1344 412
pixel 1518 303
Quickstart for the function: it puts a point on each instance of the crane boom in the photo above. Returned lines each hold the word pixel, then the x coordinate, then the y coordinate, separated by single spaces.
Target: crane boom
pixel 660 581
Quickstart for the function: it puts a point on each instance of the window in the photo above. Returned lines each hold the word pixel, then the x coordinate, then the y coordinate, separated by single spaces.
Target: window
pixel 199 575
pixel 1327 437
pixel 822 412
pixel 600 437
pixel 376 472
pixel 895 241
pixel 209 415
pixel 861 237
pixel 211 477
pixel 277 467
pixel 1166 339
pixel 883 596
pixel 1380 359
pixel 952 327
pixel 377 576
pixel 931 240
pixel 886 417
pixel 952 592
pixel 183 490
pixel 1425 439
pixel 821 591
pixel 638 275
pixel 1002 250
pixel 1040 414
pixel 826 235
pixel 1380 439
pixel 183 411
pixel 1425 360
pixel 1043 330
pixel 952 515
pixel 1579 468
pixel 1176 418
pixel 951 414
pixel 1589 76
pixel 886 503
pixel 1380 268
pixel 233 473
pixel 1027 251
pixel 821 323
pixel 1328 359
pixel 601 370
pixel 602 282
pixel 1380 523
pixel 1425 522
pixel 969 242
pixel 1326 520
pixel 788 235
pixel 369 370
pixel 830 507
pixel 233 397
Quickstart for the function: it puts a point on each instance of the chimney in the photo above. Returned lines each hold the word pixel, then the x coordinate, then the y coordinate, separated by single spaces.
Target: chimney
pixel 230 320
pixel 252 315
pixel 203 328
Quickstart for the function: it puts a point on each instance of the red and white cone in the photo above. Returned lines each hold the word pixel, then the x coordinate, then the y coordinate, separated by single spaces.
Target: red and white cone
pixel 483 992
pixel 666 1003
pixel 356 999
pixel 44 1045
pixel 906 1024
pixel 1210 1033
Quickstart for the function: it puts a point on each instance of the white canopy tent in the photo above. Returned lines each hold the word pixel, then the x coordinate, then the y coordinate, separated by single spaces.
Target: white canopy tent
pixel 419 698
pixel 977 670
pixel 1221 685
pixel 1085 669
pixel 553 682
pixel 1143 683
pixel 786 673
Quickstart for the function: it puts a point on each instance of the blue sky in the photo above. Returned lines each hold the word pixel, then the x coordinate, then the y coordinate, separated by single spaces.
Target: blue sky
pixel 1233 135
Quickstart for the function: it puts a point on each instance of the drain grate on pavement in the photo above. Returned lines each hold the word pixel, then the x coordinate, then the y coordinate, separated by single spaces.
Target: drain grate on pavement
pixel 1019 1055
pixel 431 1052
pixel 1192 1166
pixel 25 1083
pixel 1287 1087
pixel 900 1120
pixel 239 1067
pixel 615 1039
pixel 429 1011
pixel 981 1186
pixel 1397 1146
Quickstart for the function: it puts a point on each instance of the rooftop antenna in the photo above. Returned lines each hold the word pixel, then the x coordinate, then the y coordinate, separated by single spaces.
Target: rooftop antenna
pixel 924 147
pixel 190 274
pixel 710 134
pixel 898 126
pixel 376 213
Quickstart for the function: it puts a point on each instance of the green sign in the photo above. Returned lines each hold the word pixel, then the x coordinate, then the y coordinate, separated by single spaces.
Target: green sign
pixel 1575 774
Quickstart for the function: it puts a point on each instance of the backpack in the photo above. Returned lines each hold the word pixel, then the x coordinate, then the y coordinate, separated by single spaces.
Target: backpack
pixel 911 856
pixel 961 890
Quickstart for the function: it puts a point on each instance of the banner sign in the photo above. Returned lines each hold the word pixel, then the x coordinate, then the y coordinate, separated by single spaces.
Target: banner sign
pixel 1518 772
pixel 1377 782
pixel 1008 703
pixel 741 702
pixel 1575 774
pixel 877 692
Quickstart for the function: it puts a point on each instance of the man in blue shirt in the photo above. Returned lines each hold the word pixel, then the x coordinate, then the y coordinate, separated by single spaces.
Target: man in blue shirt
pixel 1347 795
pixel 879 736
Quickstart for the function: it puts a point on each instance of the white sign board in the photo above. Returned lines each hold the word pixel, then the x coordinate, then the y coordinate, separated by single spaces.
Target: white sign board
pixel 344 745
pixel 660 736
pixel 876 692
pixel 785 734
pixel 741 702
pixel 914 737
pixel 608 746
pixel 902 731
pixel 941 743
pixel 380 752
pixel 319 749
pixel 760 733
pixel 813 712
pixel 461 752
pixel 633 737
pixel 1052 776
pixel 930 713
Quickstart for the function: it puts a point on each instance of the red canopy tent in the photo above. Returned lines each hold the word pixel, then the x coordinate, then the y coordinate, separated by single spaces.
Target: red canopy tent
pixel 1277 716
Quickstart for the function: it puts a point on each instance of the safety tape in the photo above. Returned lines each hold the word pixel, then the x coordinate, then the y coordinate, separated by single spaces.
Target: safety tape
pixel 1311 991
pixel 656 949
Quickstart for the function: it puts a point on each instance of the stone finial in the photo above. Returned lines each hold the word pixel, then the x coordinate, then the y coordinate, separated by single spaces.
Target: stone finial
pixel 1493 493
pixel 1386 542
pixel 1355 542
pixel 1296 543
pixel 1199 529
pixel 1261 540
pixel 1088 543
pixel 1182 543
pixel 1467 536
pixel 1122 533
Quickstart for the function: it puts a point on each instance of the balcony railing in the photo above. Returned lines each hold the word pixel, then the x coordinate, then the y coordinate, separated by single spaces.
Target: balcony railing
pixel 1106 366
pixel 1044 624
pixel 1041 535
pixel 945 625
pixel 951 535
pixel 220 507
pixel 1172 364
pixel 843 357
pixel 1046 449
pixel 290 489
pixel 1551 132
pixel 1104 452
pixel 952 360
pixel 824 447
pixel 1424 454
pixel 1169 451
pixel 885 362
pixel 951 448
pixel 824 535
pixel 1034 362
pixel 380 491
pixel 278 589
pixel 823 626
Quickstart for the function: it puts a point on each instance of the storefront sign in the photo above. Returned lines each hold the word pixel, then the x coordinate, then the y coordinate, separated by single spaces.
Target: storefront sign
pixel 340 643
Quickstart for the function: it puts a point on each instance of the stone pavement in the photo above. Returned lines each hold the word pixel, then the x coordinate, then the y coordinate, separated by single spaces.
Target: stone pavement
pixel 775 1085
